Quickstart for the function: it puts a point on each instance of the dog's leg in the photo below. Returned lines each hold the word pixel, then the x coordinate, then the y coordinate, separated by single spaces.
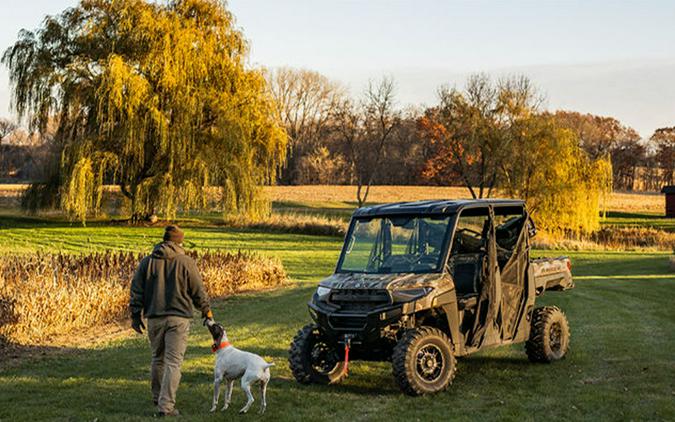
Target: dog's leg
pixel 216 392
pixel 246 386
pixel 229 386
pixel 263 395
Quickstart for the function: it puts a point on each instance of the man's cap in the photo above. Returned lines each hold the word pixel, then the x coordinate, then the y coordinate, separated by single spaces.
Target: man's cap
pixel 173 234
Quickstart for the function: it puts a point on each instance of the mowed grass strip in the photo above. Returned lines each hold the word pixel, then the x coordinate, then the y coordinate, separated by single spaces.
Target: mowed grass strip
pixel 620 364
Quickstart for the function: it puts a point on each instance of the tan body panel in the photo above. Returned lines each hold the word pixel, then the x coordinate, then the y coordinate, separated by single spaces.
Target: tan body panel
pixel 552 274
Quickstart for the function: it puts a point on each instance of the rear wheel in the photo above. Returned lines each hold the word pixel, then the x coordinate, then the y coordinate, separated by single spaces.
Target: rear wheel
pixel 423 362
pixel 549 335
pixel 313 360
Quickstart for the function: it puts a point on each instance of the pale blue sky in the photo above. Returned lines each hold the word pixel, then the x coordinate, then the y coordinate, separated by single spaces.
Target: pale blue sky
pixel 605 57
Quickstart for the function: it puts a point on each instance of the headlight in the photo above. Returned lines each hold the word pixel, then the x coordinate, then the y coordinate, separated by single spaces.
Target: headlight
pixel 322 292
pixel 410 294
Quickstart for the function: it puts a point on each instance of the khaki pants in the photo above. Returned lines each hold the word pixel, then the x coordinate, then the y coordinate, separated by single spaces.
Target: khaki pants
pixel 168 340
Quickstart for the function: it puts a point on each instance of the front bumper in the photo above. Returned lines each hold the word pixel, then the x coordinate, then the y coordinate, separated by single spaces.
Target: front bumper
pixel 363 327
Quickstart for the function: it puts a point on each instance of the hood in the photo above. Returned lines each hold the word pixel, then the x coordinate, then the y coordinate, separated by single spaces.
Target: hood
pixel 383 281
pixel 167 250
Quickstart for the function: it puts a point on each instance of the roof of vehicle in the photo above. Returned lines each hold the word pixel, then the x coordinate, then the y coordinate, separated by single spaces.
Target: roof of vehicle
pixel 442 206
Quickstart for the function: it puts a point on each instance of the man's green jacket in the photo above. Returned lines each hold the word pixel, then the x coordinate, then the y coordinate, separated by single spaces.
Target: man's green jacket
pixel 168 283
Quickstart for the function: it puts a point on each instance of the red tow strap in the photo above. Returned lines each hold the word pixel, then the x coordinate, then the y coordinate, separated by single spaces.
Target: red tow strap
pixel 345 369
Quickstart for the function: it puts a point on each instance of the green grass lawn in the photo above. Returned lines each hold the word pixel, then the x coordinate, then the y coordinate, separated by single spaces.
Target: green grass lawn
pixel 621 365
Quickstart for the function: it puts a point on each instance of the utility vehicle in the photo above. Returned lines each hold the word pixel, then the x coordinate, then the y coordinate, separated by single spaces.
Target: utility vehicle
pixel 422 283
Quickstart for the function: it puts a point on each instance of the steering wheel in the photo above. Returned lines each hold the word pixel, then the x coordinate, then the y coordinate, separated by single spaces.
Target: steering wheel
pixel 478 234
pixel 427 259
pixel 458 242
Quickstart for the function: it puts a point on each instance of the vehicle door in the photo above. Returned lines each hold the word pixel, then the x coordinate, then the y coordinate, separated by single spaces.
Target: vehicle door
pixel 512 254
pixel 474 276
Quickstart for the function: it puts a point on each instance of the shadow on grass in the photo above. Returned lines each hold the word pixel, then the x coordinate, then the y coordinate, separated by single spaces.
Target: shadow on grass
pixel 471 363
pixel 634 215
pixel 13 355
pixel 16 221
pixel 622 264
pixel 233 231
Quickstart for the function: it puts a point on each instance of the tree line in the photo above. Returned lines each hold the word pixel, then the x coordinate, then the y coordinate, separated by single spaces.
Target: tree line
pixel 436 145
pixel 489 135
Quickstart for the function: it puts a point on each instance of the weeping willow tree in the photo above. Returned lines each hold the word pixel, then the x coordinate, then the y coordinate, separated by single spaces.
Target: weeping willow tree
pixel 154 97
pixel 563 187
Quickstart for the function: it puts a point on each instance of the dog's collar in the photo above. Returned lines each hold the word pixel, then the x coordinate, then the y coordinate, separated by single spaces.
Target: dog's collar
pixel 222 345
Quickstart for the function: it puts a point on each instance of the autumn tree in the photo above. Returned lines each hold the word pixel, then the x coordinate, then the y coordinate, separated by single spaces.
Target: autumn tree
pixel 305 99
pixel 564 188
pixel 598 135
pixel 406 153
pixel 664 142
pixel 365 129
pixel 545 165
pixel 494 136
pixel 152 95
pixel 467 130
pixel 321 166
pixel 627 157
pixel 607 137
pixel 6 127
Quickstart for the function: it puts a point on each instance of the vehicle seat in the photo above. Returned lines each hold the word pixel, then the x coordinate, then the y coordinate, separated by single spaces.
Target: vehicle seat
pixel 466 270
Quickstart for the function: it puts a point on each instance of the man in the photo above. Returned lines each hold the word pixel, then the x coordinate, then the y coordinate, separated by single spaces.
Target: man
pixel 165 287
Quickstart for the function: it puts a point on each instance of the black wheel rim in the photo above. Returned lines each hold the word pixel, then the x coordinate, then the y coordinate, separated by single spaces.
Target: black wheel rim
pixel 555 337
pixel 323 358
pixel 429 363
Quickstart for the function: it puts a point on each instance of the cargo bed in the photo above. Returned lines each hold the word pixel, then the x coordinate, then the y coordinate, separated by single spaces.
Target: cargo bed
pixel 552 274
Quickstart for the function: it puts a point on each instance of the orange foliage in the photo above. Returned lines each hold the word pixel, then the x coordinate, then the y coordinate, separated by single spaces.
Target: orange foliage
pixel 440 167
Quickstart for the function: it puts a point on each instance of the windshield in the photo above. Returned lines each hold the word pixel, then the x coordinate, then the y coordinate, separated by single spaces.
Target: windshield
pixel 395 245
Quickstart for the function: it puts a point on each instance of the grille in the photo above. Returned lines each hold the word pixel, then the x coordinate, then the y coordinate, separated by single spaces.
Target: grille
pixel 347 322
pixel 360 295
pixel 360 300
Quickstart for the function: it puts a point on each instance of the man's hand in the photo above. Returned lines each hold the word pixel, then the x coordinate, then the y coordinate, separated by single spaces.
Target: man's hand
pixel 137 324
pixel 208 318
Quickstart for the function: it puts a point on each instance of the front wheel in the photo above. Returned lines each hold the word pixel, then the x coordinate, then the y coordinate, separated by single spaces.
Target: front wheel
pixel 313 360
pixel 423 362
pixel 549 335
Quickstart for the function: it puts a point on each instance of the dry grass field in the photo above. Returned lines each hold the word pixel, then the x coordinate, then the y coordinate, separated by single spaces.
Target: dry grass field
pixel 93 289
pixel 648 202
pixel 378 194
pixel 651 202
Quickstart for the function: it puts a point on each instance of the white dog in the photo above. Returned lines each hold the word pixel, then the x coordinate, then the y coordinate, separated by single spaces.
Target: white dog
pixel 231 364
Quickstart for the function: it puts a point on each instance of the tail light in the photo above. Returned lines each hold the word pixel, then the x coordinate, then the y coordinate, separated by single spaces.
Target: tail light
pixel 569 264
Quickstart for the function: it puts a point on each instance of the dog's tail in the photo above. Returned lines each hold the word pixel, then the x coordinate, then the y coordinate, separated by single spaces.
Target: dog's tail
pixel 268 365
